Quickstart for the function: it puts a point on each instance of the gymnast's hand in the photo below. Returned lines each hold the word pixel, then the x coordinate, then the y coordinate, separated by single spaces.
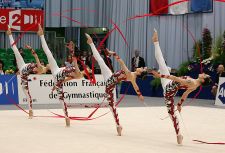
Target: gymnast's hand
pixel 9 32
pixel 28 47
pixel 141 98
pixel 40 30
pixel 179 108
pixel 155 74
pixel 155 37
pixel 31 49
pixel 89 39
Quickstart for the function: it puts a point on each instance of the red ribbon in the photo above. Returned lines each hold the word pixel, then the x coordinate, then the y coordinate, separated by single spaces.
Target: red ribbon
pixel 93 112
pixel 92 79
pixel 22 34
pixel 121 33
pixel 13 102
pixel 219 0
pixel 109 64
pixel 214 143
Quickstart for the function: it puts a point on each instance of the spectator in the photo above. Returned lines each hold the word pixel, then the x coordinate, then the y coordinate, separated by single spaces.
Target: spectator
pixel 89 60
pixel 42 63
pixel 220 73
pixel 69 61
pixel 1 67
pixel 89 63
pixel 106 57
pixel 82 57
pixel 137 61
pixel 10 71
pixel 48 71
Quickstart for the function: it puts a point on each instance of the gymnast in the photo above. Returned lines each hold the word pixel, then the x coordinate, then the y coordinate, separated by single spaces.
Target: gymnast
pixel 112 79
pixel 171 84
pixel 62 74
pixel 25 69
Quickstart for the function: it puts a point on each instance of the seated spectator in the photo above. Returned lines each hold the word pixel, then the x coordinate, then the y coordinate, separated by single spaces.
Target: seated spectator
pixel 106 57
pixel 47 67
pixel 89 60
pixel 69 61
pixel 86 59
pixel 42 63
pixel 1 68
pixel 220 73
pixel 10 71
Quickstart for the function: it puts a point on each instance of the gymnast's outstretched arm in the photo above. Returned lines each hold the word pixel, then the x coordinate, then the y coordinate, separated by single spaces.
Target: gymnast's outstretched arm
pixel 182 99
pixel 124 67
pixel 35 55
pixel 172 77
pixel 119 60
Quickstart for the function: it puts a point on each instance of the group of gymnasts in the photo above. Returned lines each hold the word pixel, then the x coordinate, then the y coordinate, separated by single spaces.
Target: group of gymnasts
pixel 171 84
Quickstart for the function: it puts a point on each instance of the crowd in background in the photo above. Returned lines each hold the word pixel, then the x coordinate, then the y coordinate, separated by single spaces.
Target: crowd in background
pixel 85 57
pixel 1 68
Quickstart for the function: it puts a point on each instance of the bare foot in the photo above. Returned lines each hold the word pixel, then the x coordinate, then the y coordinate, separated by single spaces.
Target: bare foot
pixel 9 32
pixel 119 130
pixel 67 122
pixel 155 37
pixel 179 108
pixel 141 98
pixel 40 30
pixel 87 35
pixel 179 139
pixel 89 39
pixel 31 114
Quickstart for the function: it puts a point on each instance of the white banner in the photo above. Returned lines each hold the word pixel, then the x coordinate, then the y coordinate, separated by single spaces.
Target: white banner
pixel 75 91
pixel 220 97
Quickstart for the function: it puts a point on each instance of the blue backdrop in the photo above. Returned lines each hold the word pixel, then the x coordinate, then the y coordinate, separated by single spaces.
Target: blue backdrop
pixel 8 90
